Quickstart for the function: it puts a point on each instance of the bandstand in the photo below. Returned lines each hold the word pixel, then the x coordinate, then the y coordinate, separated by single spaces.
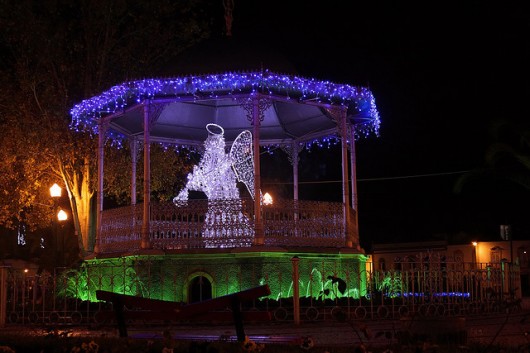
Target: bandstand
pixel 198 249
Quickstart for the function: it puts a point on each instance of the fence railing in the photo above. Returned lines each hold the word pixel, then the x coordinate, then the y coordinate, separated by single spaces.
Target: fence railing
pixel 52 299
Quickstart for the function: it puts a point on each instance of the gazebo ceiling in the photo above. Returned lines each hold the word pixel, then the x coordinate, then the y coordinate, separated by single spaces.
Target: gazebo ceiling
pixel 295 108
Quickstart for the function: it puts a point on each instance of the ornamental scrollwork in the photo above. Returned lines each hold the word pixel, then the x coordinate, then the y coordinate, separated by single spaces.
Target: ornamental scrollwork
pixel 247 103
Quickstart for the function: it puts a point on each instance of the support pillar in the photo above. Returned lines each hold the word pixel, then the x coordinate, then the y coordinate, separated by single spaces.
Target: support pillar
pixel 255 105
pixel 354 198
pixel 294 161
pixel 145 242
pixel 134 162
pixel 292 152
pixel 258 226
pixel 339 115
pixel 102 130
pixel 345 178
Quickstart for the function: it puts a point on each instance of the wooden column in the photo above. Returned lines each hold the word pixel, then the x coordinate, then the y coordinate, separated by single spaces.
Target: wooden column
pixel 146 243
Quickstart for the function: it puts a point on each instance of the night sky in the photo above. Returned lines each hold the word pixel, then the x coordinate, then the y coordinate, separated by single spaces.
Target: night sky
pixel 441 72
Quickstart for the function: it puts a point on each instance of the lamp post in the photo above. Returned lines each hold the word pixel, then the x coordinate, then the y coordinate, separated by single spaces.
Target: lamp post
pixel 61 217
pixel 55 193
pixel 474 254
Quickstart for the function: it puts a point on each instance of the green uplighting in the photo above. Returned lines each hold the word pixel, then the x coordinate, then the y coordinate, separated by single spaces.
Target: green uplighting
pixel 173 277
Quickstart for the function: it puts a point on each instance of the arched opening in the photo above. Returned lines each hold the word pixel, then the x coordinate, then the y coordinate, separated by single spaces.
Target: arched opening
pixel 199 289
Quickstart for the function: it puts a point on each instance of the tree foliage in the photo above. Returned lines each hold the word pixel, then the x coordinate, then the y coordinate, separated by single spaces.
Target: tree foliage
pixel 56 53
pixel 168 170
pixel 506 159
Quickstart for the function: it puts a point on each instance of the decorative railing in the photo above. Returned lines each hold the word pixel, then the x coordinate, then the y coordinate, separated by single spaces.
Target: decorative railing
pixel 411 293
pixel 223 224
pixel 121 229
pixel 304 223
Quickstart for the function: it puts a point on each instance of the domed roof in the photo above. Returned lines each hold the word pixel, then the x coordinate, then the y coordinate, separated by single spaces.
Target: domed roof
pixel 291 108
pixel 228 54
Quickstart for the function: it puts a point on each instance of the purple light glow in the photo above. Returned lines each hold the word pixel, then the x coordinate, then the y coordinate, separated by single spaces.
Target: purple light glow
pixel 359 100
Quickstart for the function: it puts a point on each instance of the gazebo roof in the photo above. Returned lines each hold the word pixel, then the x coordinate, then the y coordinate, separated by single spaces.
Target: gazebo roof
pixel 182 106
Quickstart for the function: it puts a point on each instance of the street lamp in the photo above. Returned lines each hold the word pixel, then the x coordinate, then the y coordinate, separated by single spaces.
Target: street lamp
pixel 474 254
pixel 267 199
pixel 62 216
pixel 55 193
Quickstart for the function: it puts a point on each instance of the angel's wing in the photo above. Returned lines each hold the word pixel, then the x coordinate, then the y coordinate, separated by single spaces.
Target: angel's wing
pixel 242 156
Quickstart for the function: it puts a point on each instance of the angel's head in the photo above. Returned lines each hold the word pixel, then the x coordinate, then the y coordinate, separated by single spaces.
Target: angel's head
pixel 215 142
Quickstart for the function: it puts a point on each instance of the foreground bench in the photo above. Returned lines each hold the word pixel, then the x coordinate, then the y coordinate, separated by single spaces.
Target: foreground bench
pixel 154 309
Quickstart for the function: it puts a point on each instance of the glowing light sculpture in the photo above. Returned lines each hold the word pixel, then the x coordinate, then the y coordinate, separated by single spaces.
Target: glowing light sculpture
pixel 216 175
pixel 127 94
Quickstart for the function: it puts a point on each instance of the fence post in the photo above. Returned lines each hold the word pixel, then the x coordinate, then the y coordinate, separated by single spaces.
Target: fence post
pixel 3 296
pixel 296 291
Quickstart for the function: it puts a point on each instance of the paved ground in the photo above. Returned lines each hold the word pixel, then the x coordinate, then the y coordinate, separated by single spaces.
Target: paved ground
pixel 486 329
pixel 458 331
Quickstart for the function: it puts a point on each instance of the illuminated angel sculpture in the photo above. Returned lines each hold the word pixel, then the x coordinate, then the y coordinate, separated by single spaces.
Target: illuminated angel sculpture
pixel 217 175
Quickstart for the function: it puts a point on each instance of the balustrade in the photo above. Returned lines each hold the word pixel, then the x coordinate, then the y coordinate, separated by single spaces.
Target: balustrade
pixel 223 224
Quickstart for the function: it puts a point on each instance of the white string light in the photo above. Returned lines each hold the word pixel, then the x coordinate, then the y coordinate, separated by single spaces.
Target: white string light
pixel 216 176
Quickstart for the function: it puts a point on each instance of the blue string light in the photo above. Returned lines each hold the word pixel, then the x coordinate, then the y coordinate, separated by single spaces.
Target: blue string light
pixel 360 99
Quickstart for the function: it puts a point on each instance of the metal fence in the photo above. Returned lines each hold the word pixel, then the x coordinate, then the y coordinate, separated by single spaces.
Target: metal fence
pixel 420 289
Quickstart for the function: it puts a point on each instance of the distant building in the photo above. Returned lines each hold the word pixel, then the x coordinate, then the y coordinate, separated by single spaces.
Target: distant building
pixel 505 255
